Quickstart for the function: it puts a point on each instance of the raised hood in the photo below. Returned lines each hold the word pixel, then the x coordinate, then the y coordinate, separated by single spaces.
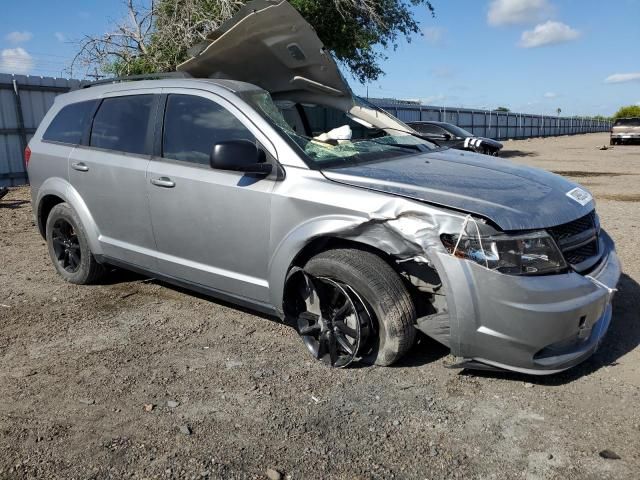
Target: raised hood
pixel 269 44
pixel 513 197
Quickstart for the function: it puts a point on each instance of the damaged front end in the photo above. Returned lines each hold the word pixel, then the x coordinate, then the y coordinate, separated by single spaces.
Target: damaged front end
pixel 502 267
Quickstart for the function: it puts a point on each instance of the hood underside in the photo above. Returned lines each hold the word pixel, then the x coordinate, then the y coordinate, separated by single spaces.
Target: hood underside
pixel 510 196
pixel 269 44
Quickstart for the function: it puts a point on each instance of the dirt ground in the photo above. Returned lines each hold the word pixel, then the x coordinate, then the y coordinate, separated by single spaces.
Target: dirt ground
pixel 86 374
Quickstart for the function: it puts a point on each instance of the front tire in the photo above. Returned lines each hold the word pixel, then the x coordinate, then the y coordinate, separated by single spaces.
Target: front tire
pixel 386 306
pixel 68 247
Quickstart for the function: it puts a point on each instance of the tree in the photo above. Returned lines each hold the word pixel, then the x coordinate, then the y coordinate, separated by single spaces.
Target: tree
pixel 502 109
pixel 628 111
pixel 156 34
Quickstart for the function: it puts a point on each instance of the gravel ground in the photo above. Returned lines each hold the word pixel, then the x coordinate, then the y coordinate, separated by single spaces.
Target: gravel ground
pixel 134 378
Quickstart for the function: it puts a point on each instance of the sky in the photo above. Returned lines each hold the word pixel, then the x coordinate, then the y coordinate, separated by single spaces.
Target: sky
pixel 531 56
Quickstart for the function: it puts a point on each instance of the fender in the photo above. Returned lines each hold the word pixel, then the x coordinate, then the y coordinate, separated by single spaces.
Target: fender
pixel 62 188
pixel 295 241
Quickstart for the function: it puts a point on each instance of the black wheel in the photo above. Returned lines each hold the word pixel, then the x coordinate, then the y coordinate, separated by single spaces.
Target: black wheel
pixel 350 305
pixel 68 247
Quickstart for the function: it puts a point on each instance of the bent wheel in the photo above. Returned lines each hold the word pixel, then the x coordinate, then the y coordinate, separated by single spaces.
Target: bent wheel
pixel 334 324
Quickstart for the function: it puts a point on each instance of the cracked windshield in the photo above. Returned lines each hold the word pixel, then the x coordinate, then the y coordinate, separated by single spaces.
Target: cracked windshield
pixel 353 143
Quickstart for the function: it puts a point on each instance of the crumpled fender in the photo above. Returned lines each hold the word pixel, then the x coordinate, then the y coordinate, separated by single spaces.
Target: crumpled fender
pixel 400 228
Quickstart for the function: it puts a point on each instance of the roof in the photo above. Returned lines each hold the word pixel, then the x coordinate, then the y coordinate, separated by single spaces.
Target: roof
pixel 101 89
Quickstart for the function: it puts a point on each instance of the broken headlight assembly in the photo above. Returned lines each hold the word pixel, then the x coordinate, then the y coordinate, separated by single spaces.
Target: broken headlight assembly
pixel 533 253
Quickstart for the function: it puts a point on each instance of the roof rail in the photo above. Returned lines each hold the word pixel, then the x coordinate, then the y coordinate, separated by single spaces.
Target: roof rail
pixel 134 78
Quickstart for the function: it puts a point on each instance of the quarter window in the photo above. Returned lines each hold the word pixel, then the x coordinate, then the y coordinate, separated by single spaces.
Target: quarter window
pixel 122 124
pixel 70 122
pixel 193 125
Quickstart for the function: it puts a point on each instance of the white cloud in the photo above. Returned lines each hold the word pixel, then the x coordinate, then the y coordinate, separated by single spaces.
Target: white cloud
pixel 18 37
pixel 548 33
pixel 15 60
pixel 550 95
pixel 434 35
pixel 61 37
pixel 513 12
pixel 623 77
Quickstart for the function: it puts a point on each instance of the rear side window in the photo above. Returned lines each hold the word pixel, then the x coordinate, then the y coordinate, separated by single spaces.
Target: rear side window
pixel 68 125
pixel 428 128
pixel 193 125
pixel 122 124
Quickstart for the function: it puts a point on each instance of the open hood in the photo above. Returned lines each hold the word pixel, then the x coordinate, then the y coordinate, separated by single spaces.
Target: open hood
pixel 269 44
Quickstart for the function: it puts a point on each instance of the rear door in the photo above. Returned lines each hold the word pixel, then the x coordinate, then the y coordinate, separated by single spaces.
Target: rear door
pixel 109 172
pixel 212 227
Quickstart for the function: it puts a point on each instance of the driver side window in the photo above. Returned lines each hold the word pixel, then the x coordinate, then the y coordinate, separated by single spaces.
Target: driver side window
pixel 193 125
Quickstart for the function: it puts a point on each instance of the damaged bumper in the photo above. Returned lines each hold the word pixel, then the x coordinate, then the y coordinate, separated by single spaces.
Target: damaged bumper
pixel 536 325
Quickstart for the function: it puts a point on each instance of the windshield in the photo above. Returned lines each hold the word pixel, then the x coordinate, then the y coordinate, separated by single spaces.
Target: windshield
pixel 457 131
pixel 628 122
pixel 332 150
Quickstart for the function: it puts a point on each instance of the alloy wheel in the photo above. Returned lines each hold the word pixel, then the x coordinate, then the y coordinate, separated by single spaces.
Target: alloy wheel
pixel 66 246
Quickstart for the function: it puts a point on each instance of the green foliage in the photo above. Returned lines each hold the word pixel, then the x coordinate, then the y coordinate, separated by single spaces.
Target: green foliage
pixel 628 111
pixel 354 35
pixel 356 31
pixel 502 109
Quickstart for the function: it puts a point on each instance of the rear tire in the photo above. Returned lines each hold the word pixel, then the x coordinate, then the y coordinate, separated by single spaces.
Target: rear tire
pixel 384 295
pixel 68 247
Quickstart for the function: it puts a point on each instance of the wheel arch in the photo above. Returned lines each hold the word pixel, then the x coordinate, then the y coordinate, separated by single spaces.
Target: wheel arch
pixel 56 190
pixel 305 250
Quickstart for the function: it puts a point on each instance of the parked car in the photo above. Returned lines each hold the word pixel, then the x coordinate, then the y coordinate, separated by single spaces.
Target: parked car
pixel 452 136
pixel 625 130
pixel 359 244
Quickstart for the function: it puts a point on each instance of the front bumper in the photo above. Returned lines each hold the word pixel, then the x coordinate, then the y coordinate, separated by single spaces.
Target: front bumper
pixel 538 325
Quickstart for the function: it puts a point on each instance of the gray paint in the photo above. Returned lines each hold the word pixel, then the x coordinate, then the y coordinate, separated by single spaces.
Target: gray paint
pixel 237 238
pixel 511 196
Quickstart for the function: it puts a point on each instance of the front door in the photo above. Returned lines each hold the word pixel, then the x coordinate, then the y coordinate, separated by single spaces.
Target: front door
pixel 211 226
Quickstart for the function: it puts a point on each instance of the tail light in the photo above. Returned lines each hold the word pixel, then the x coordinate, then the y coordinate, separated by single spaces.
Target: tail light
pixel 27 156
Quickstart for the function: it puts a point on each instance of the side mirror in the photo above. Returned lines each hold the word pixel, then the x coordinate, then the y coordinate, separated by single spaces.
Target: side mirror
pixel 447 136
pixel 240 156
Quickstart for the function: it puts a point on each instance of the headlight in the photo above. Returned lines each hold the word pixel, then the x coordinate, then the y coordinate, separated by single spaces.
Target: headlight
pixel 527 254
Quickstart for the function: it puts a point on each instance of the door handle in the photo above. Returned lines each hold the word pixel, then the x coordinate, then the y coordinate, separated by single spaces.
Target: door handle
pixel 164 182
pixel 80 166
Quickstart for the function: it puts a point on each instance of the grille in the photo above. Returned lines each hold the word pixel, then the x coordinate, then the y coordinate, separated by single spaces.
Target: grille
pixel 583 253
pixel 578 241
pixel 571 229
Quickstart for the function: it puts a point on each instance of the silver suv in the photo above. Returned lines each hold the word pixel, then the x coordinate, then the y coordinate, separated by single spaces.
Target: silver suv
pixel 359 236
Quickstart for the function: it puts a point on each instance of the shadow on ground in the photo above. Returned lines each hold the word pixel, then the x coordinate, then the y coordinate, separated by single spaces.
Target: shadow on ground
pixel 13 203
pixel 623 335
pixel 516 153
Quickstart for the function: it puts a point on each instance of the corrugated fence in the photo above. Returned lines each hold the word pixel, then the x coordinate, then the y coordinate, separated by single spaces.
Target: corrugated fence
pixel 494 124
pixel 23 103
pixel 25 100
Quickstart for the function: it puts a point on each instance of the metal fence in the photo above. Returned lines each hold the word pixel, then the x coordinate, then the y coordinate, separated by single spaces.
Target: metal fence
pixel 23 103
pixel 495 124
pixel 25 100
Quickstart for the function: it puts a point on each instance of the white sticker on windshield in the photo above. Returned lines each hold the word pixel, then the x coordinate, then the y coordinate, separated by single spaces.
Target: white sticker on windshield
pixel 579 195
